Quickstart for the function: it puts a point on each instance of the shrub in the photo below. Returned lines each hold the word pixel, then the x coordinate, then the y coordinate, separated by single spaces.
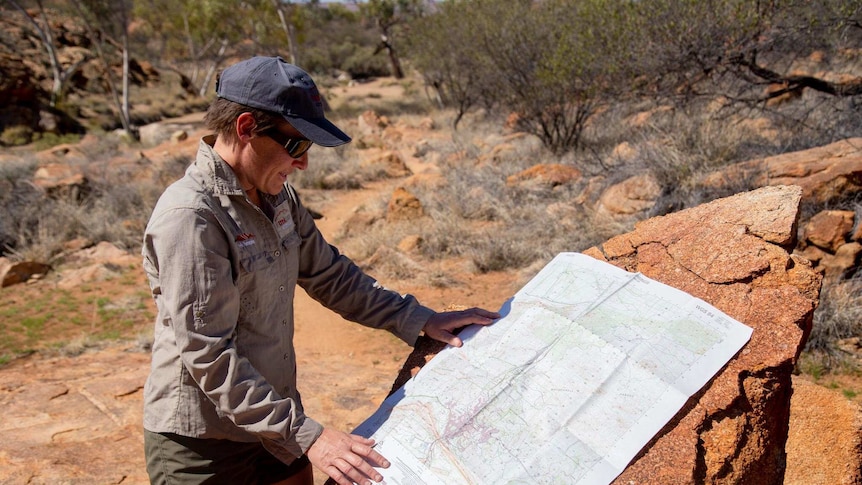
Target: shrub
pixel 48 140
pixel 329 168
pixel 16 135
pixel 839 316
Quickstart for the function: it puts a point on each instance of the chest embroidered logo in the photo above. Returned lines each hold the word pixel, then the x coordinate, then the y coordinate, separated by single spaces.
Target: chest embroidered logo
pixel 245 240
pixel 282 219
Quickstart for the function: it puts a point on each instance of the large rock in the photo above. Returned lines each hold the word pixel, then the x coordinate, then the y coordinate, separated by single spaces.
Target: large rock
pixel 733 253
pixel 829 229
pixel 632 197
pixel 825 441
pixel 13 273
pixel 404 206
pixel 546 174
pixel 160 132
pixel 62 180
pixel 824 173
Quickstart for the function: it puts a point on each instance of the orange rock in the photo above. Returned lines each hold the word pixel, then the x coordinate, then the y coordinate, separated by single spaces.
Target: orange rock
pixel 404 206
pixel 733 254
pixel 845 259
pixel 388 164
pixel 635 195
pixel 60 178
pixel 551 174
pixel 829 229
pixel 13 273
pixel 824 173
pixel 825 438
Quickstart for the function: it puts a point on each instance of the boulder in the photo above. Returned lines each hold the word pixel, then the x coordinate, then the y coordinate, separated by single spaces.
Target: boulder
pixel 404 206
pixel 732 253
pixel 546 174
pixel 829 229
pixel 844 262
pixel 160 132
pixel 824 445
pixel 824 173
pixel 13 273
pixel 62 180
pixel 388 164
pixel 632 197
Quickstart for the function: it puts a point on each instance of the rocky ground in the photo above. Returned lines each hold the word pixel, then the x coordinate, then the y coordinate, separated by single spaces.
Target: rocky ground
pixel 74 417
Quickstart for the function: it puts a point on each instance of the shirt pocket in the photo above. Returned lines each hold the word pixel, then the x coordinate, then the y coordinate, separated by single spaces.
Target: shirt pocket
pixel 291 242
pixel 254 258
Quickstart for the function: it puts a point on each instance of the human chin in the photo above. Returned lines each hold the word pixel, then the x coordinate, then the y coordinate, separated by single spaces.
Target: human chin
pixel 276 182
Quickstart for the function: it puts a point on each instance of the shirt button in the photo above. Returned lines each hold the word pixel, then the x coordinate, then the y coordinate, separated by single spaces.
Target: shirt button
pixel 281 288
pixel 286 356
pixel 284 322
pixel 277 253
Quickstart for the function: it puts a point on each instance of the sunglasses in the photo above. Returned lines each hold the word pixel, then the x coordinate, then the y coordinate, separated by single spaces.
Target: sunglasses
pixel 296 147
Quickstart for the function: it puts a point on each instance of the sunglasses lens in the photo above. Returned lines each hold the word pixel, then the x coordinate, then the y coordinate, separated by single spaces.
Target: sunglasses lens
pixel 296 148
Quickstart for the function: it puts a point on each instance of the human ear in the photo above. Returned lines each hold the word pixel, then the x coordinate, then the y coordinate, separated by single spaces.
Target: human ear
pixel 245 125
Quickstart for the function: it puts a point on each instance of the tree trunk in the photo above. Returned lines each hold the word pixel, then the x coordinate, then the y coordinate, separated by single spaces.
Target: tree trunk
pixel 397 72
pixel 212 70
pixel 125 108
pixel 48 42
pixel 289 31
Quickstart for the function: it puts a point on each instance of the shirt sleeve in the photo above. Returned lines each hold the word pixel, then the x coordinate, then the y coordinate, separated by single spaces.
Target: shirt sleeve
pixel 336 282
pixel 202 302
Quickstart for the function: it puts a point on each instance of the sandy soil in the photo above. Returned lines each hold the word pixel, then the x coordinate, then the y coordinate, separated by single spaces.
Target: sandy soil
pixel 76 419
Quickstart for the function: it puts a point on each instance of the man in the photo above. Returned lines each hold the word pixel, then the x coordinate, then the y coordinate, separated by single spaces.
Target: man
pixel 223 251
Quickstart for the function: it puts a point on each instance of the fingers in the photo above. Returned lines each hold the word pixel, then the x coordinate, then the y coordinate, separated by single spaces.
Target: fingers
pixel 347 459
pixel 449 338
pixel 442 325
pixel 481 316
pixel 364 448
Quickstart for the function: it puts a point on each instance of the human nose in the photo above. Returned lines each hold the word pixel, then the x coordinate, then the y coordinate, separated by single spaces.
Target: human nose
pixel 300 163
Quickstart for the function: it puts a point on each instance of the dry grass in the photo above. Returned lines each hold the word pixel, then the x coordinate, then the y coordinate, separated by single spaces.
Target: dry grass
pixel 475 215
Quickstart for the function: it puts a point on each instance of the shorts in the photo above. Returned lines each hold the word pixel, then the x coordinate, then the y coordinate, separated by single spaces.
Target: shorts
pixel 174 459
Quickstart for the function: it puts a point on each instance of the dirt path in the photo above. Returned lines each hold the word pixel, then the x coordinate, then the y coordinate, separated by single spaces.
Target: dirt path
pixel 76 419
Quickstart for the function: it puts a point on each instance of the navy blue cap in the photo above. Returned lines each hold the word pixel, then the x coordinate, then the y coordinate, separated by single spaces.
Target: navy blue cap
pixel 272 84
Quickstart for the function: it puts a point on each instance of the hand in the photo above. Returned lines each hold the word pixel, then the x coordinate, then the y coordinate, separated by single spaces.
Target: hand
pixel 441 325
pixel 347 458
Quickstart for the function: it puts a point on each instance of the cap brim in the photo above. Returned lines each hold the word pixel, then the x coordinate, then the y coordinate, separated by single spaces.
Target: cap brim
pixel 319 130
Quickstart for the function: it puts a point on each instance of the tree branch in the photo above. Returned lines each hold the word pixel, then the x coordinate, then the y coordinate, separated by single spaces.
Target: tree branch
pixel 799 82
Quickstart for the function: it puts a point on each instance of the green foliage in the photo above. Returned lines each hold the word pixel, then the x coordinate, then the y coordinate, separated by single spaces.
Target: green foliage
pixel 16 135
pixel 551 63
pixel 48 140
pixel 555 63
pixel 390 16
pixel 363 62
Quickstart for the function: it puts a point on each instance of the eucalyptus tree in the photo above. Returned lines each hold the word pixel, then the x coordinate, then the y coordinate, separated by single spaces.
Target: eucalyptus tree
pixel 41 23
pixel 390 16
pixel 691 45
pixel 195 36
pixel 107 24
pixel 550 63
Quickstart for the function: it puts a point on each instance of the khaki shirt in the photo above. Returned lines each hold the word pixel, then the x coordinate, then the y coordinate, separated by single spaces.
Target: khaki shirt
pixel 223 273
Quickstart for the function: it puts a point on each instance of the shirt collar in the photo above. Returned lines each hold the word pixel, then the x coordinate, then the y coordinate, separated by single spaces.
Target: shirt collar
pixel 222 176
